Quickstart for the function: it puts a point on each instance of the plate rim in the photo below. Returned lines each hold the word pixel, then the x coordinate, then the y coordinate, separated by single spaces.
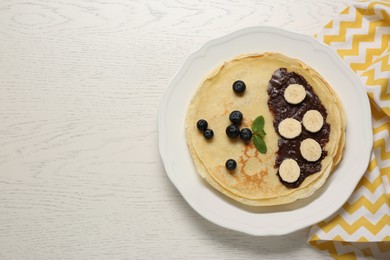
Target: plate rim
pixel 202 52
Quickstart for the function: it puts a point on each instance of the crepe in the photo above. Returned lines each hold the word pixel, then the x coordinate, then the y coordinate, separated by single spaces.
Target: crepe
pixel 255 181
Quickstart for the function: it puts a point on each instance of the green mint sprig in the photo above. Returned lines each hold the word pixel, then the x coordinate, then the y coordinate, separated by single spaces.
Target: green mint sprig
pixel 258 134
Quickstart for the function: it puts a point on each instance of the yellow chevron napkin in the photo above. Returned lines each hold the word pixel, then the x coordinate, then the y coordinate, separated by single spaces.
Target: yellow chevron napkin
pixel 361 36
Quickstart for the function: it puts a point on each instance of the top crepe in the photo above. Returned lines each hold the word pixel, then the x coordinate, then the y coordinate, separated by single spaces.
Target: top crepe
pixel 255 182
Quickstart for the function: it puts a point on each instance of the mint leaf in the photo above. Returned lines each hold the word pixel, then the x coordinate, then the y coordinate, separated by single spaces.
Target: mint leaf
pixel 258 126
pixel 258 134
pixel 259 144
pixel 261 133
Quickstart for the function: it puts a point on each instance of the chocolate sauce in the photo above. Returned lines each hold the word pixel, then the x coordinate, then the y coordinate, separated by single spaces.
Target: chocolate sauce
pixel 281 109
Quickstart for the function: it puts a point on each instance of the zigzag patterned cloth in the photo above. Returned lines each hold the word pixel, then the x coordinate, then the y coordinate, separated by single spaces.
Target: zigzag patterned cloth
pixel 361 36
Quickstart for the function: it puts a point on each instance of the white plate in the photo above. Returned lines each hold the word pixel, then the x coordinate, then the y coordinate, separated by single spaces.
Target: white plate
pixel 275 220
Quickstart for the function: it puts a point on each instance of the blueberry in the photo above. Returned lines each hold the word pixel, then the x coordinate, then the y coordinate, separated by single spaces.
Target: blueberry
pixel 236 117
pixel 208 133
pixel 231 164
pixel 239 87
pixel 232 131
pixel 246 134
pixel 202 125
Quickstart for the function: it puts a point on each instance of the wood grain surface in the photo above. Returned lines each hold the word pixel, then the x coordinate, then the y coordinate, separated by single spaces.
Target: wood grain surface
pixel 80 86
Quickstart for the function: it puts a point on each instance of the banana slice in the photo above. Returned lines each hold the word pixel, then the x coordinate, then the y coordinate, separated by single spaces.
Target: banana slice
pixel 294 94
pixel 289 170
pixel 290 128
pixel 310 150
pixel 313 121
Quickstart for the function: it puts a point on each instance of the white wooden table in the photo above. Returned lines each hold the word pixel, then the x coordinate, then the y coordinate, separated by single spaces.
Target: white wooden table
pixel 80 86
